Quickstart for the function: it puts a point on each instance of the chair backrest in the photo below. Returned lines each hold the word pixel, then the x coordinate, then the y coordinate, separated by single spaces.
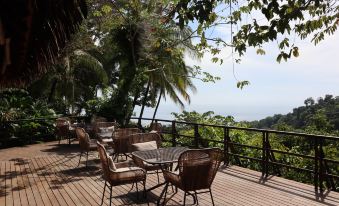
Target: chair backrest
pixel 155 126
pixel 120 139
pixel 124 132
pixel 198 167
pixel 98 125
pixel 83 137
pixel 62 121
pixel 62 127
pixel 144 137
pixel 104 159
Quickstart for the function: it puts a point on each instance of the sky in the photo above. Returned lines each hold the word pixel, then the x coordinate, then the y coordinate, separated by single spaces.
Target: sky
pixel 275 88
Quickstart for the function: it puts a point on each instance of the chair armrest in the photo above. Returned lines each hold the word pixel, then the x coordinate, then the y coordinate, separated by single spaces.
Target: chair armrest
pixel 139 162
pixel 125 164
pixel 170 176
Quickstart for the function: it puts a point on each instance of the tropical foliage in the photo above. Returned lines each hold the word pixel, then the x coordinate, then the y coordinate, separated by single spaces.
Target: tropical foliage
pixel 18 104
pixel 316 118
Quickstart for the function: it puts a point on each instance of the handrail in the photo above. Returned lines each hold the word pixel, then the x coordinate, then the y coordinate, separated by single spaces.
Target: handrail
pixel 40 119
pixel 245 128
pixel 269 165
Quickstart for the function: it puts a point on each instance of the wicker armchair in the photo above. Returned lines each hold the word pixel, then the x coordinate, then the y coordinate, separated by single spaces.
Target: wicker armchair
pixel 145 141
pixel 120 141
pixel 155 127
pixel 197 169
pixel 119 174
pixel 86 144
pixel 97 126
pixel 62 129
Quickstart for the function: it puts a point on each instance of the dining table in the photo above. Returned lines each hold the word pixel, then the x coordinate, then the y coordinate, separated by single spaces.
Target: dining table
pixel 164 157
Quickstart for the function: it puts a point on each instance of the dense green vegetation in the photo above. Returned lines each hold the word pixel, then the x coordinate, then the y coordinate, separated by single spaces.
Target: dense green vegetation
pixel 18 104
pixel 317 117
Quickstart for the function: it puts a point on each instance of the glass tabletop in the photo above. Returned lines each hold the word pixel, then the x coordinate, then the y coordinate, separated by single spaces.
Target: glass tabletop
pixel 161 155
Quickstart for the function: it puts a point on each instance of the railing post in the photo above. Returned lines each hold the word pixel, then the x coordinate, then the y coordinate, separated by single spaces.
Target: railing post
pixel 264 155
pixel 321 166
pixel 226 137
pixel 174 134
pixel 267 154
pixel 196 135
pixel 316 165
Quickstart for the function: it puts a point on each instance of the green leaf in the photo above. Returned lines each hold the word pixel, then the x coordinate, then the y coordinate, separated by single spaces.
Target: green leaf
pixel 241 84
pixel 295 52
pixel 260 51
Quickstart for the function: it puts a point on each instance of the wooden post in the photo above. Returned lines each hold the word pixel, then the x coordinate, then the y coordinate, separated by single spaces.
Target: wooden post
pixel 226 137
pixel 263 165
pixel 316 165
pixel 174 133
pixel 196 135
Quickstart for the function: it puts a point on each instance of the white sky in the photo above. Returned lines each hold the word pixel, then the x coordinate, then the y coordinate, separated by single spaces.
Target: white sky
pixel 274 88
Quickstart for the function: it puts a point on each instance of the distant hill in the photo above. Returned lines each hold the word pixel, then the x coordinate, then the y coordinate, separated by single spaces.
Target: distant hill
pixel 320 116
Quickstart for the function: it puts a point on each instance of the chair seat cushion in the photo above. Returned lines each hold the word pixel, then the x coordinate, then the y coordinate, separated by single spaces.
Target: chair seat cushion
pixel 127 174
pixel 144 146
pixel 149 167
pixel 106 129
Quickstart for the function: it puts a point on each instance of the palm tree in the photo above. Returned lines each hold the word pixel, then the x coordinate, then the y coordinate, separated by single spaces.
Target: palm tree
pixel 171 75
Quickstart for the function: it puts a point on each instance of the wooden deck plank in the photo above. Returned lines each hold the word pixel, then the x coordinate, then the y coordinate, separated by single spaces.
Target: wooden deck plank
pixel 2 183
pixel 58 182
pixel 52 178
pixel 9 197
pixel 52 200
pixel 74 190
pixel 20 185
pixel 83 187
pixel 26 183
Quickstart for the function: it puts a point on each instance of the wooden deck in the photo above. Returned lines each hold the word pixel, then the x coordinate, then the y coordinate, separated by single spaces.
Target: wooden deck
pixel 47 174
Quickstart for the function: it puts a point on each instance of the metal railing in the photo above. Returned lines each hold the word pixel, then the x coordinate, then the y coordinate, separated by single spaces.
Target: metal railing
pixel 319 168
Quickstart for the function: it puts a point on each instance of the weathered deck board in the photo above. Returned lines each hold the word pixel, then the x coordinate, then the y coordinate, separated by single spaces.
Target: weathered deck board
pixel 47 174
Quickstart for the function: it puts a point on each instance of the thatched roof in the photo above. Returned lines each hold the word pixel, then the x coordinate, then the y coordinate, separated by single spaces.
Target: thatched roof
pixel 32 33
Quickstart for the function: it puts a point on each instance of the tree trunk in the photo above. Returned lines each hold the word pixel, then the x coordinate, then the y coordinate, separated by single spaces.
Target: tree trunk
pixel 156 108
pixel 136 96
pixel 144 103
pixel 51 94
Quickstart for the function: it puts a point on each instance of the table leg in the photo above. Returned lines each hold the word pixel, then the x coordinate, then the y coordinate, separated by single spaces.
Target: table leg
pixel 162 193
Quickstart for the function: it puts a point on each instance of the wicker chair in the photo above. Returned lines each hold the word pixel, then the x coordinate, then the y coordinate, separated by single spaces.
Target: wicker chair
pixel 120 141
pixel 86 144
pixel 62 129
pixel 134 143
pixel 99 125
pixel 197 169
pixel 120 173
pixel 155 127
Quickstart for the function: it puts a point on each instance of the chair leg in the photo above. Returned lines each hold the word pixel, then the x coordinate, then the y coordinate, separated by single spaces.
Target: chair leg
pixel 103 195
pixel 136 185
pixel 80 159
pixel 132 187
pixel 185 198
pixel 211 196
pixel 196 197
pixel 110 197
pixel 59 139
pixel 166 187
pixel 144 184
pixel 86 159
pixel 158 176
